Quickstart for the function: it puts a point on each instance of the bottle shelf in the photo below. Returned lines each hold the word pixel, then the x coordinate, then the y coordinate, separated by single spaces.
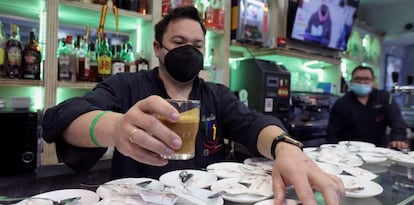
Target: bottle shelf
pixel 239 51
pixel 88 14
pixel 76 85
pixel 25 9
pixel 21 82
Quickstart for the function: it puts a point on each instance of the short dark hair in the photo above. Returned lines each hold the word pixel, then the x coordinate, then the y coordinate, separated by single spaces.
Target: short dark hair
pixel 188 12
pixel 360 67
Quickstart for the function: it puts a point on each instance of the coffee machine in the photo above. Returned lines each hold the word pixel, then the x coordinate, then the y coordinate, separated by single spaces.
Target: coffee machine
pixel 310 116
pixel 264 86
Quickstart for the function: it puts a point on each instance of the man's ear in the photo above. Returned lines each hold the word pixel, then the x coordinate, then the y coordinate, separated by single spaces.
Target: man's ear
pixel 157 47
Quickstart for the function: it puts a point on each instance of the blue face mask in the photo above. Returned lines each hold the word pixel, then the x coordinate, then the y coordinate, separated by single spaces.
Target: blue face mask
pixel 361 89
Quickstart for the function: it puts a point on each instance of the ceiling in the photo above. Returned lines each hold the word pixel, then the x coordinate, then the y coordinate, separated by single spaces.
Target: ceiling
pixel 389 17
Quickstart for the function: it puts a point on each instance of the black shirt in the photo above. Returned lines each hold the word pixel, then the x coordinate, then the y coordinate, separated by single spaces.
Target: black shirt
pixel 219 107
pixel 351 120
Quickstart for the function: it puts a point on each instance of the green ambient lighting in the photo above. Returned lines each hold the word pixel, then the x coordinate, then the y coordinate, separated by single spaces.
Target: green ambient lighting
pixel 319 71
pixel 42 38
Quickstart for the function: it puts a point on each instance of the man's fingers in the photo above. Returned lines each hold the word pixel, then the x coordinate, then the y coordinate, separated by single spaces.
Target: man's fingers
pixel 159 106
pixel 278 188
pixel 334 192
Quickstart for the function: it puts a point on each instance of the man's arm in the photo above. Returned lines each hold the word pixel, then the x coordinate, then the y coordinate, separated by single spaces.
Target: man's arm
pixel 335 124
pixel 293 167
pixel 398 126
pixel 396 122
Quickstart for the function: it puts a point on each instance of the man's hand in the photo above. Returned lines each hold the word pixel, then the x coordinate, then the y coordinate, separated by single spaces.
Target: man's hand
pixel 293 167
pixel 141 136
pixel 398 145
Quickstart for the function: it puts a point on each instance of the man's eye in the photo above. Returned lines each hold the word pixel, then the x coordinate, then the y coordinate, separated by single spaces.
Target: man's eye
pixel 178 43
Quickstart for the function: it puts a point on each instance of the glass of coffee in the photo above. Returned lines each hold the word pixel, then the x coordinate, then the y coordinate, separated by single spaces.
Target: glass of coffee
pixel 186 127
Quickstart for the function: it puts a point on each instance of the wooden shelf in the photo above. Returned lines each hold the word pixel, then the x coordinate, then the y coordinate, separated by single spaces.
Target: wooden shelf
pixel 239 51
pixel 88 14
pixel 76 85
pixel 20 82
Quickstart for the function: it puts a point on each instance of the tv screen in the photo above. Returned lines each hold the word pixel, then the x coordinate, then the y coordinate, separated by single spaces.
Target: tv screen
pixel 327 23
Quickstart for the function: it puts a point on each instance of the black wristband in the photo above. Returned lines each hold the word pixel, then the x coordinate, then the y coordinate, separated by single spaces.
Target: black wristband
pixel 285 138
pixel 273 147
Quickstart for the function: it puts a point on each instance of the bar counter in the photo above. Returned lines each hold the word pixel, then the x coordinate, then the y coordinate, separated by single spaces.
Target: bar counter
pixel 54 177
pixel 393 179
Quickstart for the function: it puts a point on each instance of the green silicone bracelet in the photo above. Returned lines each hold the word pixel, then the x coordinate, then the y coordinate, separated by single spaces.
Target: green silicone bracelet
pixel 92 128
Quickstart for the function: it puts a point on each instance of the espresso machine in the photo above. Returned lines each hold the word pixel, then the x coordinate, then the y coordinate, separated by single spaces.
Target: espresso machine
pixel 264 86
pixel 310 116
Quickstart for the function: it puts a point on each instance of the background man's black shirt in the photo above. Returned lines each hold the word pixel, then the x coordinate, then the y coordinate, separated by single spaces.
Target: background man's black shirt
pixel 351 120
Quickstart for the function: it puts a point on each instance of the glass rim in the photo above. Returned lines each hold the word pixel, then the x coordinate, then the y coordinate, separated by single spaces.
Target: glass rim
pixel 182 100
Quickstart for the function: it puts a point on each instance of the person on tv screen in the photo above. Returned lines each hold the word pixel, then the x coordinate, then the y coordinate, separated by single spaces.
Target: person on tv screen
pixel 319 26
pixel 348 17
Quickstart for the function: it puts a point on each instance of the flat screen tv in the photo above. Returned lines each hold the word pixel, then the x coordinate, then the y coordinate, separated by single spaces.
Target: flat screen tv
pixel 326 23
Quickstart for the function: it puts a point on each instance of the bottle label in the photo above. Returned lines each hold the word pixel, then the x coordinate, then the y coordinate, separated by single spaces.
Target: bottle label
pixel 104 65
pixel 1 56
pixel 142 66
pixel 65 72
pixel 118 67
pixel 14 56
pixel 87 66
pixel 132 68
pixel 31 66
pixel 64 60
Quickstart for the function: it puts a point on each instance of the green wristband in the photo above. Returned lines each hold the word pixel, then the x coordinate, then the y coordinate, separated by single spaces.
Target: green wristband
pixel 92 128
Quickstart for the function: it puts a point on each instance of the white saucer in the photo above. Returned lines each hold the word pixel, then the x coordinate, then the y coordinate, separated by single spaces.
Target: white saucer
pixel 402 159
pixel 200 179
pixel 357 144
pixel 271 202
pixel 379 150
pixel 370 188
pixel 104 191
pixel 370 157
pixel 195 195
pixel 185 198
pixel 332 146
pixel 87 197
pixel 226 169
pixel 329 168
pixel 264 163
pixel 233 184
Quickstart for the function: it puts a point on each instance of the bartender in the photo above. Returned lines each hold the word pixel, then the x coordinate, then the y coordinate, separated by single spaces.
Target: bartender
pixel 121 112
pixel 364 113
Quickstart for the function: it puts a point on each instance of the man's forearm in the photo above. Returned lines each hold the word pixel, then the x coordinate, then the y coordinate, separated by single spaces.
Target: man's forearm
pixel 78 132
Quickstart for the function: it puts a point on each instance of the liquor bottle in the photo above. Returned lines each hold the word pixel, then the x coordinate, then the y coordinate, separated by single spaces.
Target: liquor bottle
pixel 143 6
pixel 93 64
pixel 209 15
pixel 218 12
pixel 13 55
pixel 104 59
pixel 141 62
pixel 234 18
pixel 166 6
pixel 2 54
pixel 200 7
pixel 31 59
pixel 129 60
pixel 66 64
pixel 211 65
pixel 83 60
pixel 118 65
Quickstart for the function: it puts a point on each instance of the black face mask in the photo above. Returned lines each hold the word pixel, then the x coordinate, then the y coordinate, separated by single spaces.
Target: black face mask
pixel 184 63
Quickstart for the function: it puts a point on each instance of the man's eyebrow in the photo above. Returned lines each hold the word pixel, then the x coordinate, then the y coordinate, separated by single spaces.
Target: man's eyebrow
pixel 181 37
